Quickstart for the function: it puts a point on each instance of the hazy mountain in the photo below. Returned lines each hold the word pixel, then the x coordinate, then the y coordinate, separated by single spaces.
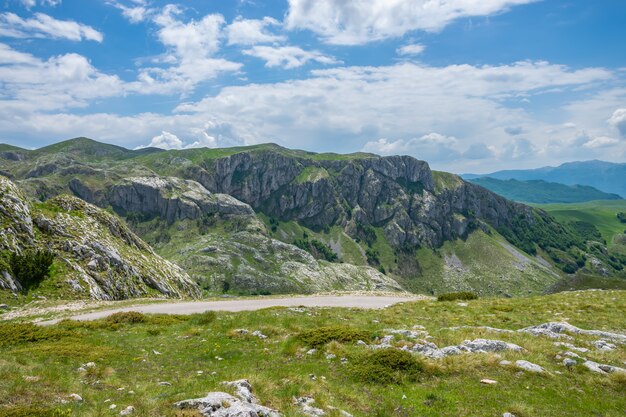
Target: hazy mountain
pixel 605 176
pixel 538 191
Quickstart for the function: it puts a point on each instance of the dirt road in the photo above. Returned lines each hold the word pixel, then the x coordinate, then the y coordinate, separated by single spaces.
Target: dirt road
pixel 349 301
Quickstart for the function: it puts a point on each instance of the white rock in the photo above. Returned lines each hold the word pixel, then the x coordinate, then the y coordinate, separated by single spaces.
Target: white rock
pixel 604 345
pixel 529 366
pixel 127 411
pixel 311 352
pixel 75 397
pixel 112 407
pixel 165 384
pixel 487 381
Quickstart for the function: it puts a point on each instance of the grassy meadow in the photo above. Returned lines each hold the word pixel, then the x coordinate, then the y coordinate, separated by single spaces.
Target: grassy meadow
pixel 39 366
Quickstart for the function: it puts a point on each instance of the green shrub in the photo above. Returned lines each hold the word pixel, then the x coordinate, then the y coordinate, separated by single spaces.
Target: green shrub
pixel 204 319
pixel 15 333
pixel 126 317
pixel 386 366
pixel 621 216
pixel 462 295
pixel 31 267
pixel 322 335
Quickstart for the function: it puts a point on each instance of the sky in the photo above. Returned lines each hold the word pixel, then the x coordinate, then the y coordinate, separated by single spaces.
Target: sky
pixel 467 85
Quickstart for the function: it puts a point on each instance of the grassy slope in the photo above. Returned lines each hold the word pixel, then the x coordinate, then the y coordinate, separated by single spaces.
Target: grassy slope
pixel 279 369
pixel 600 213
pixel 536 191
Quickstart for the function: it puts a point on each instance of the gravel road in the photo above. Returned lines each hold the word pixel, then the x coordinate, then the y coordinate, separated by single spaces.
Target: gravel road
pixel 349 301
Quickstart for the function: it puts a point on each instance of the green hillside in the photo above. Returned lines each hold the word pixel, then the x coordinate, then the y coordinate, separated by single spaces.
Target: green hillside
pixel 602 214
pixel 542 192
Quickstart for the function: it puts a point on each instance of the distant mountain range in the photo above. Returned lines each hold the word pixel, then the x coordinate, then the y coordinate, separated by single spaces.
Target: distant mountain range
pixel 605 176
pixel 543 192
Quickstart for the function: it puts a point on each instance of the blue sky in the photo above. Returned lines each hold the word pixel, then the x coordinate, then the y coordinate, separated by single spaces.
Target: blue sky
pixel 466 85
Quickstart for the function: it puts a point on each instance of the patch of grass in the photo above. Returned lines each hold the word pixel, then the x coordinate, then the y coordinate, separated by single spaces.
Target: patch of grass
pixel 17 333
pixel 461 295
pixel 67 349
pixel 322 335
pixel 35 411
pixel 203 319
pixel 386 366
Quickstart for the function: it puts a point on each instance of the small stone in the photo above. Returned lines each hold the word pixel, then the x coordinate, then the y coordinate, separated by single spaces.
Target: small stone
pixel 331 356
pixel 127 411
pixel 3 306
pixel 312 352
pixel 604 345
pixel 487 381
pixel 75 397
pixel 505 363
pixel 112 407
pixel 89 365
pixel 108 400
pixel 30 378
pixel 361 343
pixel 165 384
pixel 258 334
pixel 508 415
pixel 156 352
pixel 569 362
pixel 529 366
pixel 462 304
pixel 199 372
pixel 313 377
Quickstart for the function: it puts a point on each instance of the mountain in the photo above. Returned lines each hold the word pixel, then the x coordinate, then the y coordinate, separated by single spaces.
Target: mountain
pixel 96 255
pixel 605 176
pixel 542 192
pixel 266 219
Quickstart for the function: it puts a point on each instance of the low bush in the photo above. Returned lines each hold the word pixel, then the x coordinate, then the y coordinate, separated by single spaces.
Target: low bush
pixel 126 317
pixel 16 333
pixel 322 335
pixel 462 295
pixel 386 366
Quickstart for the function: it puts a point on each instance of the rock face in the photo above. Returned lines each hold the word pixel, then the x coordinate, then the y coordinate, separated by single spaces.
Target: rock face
pixel 172 199
pixel 102 258
pixel 397 202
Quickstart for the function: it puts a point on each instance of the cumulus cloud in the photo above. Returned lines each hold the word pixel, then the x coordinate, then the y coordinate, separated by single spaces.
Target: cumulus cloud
pixel 165 140
pixel 44 26
pixel 351 23
pixel 618 121
pixel 191 48
pixel 60 82
pixel 287 56
pixel 411 49
pixel 252 31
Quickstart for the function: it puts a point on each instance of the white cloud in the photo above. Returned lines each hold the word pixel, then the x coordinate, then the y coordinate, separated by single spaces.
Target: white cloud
pixel 412 49
pixel 600 142
pixel 357 22
pixel 252 31
pixel 32 84
pixel 190 52
pixel 165 140
pixel 32 3
pixel 618 121
pixel 44 26
pixel 137 11
pixel 287 56
pixel 431 147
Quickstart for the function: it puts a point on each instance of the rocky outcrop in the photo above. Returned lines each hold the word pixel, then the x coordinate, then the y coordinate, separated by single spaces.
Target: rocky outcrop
pixel 221 404
pixel 100 256
pixel 172 199
pixel 250 261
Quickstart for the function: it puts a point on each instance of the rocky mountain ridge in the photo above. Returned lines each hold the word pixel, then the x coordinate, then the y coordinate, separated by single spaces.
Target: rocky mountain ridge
pixel 255 219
